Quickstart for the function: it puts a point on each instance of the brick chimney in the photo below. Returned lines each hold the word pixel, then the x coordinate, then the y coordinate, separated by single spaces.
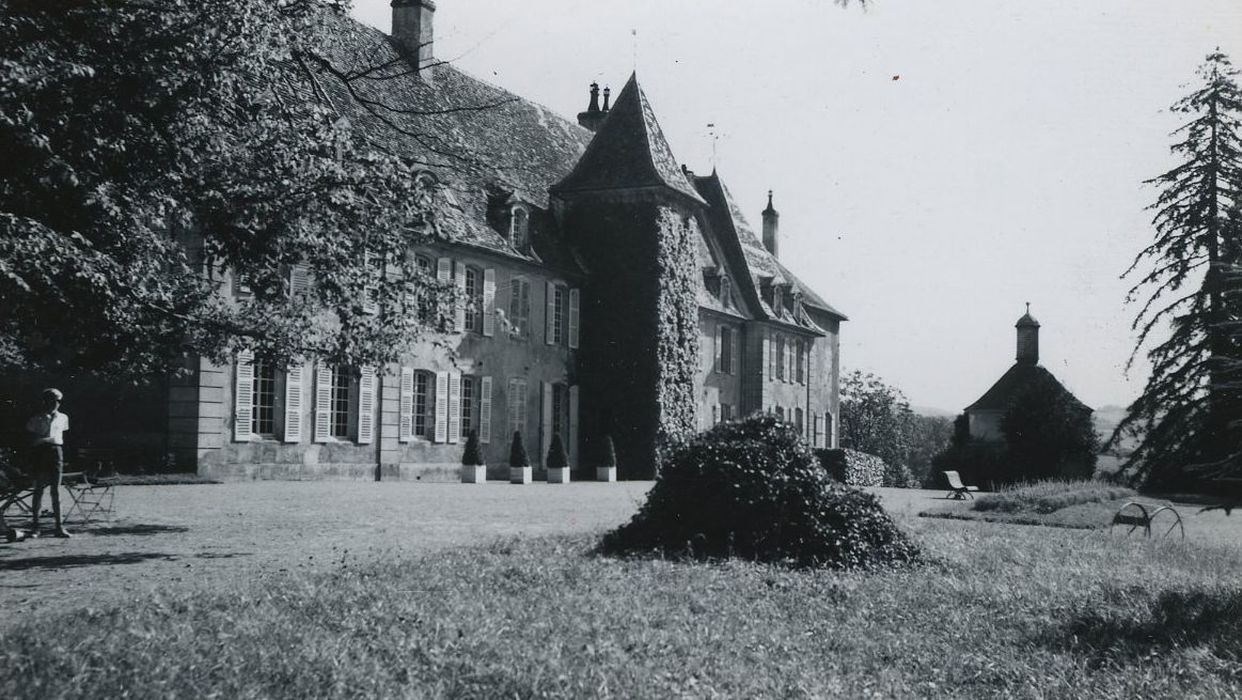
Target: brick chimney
pixel 594 116
pixel 771 228
pixel 1028 338
pixel 413 24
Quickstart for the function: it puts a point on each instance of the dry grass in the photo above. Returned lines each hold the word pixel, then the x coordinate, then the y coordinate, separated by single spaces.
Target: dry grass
pixel 1026 612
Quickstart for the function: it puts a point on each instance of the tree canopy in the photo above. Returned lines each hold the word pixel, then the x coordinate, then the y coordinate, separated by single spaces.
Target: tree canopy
pixel 1191 406
pixel 152 146
pixel 1048 433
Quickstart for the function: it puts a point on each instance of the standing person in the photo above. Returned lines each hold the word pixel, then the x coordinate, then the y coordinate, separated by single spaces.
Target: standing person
pixel 47 432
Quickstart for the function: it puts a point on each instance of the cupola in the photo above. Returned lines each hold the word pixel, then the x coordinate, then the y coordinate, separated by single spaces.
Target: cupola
pixel 1028 338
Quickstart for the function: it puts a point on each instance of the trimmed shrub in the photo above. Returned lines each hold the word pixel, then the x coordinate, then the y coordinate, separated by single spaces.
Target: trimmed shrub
pixel 557 458
pixel 753 489
pixel 852 467
pixel 517 451
pixel 472 455
pixel 1050 496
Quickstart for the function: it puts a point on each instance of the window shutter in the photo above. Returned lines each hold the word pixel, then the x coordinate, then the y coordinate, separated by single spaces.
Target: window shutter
pixel 459 307
pixel 366 406
pixel 454 407
pixel 323 404
pixel 525 311
pixel 789 361
pixel 772 356
pixel 515 305
pixel 734 353
pixel 405 424
pixel 545 423
pixel 442 397
pixel 549 331
pixel 370 289
pixel 489 302
pixel 299 279
pixel 573 426
pixel 243 396
pixel 719 349
pixel 293 403
pixel 575 303
pixel 485 410
pixel 444 269
pixel 715 414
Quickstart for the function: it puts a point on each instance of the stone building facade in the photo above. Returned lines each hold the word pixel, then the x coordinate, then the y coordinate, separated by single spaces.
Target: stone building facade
pixel 613 292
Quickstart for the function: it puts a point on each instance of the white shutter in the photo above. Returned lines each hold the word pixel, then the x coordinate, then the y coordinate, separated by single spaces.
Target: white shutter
pixel 444 269
pixel 545 423
pixel 459 308
pixel 716 367
pixel 735 357
pixel 366 406
pixel 549 330
pixel 789 368
pixel 573 426
pixel 293 403
pixel 299 279
pixel 405 424
pixel 323 404
pixel 243 395
pixel 485 410
pixel 489 302
pixel 442 401
pixel 715 413
pixel 454 408
pixel 772 356
pixel 575 302
pixel 370 288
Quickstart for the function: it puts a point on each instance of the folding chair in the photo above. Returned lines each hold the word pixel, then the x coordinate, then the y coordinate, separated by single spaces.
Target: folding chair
pixel 16 492
pixel 91 494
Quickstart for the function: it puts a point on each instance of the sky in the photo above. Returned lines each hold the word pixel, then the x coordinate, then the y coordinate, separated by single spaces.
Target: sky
pixel 936 164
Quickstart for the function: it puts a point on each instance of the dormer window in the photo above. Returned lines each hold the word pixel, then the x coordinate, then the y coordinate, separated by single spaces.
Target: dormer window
pixel 778 300
pixel 519 227
pixel 726 292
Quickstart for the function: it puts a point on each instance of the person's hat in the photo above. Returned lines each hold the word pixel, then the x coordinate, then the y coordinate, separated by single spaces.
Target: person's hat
pixel 53 394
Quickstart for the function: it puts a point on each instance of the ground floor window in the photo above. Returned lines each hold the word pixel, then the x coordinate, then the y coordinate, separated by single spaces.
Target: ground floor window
pixel 263 400
pixel 469 404
pixel 798 421
pixel 424 390
pixel 726 412
pixel 338 419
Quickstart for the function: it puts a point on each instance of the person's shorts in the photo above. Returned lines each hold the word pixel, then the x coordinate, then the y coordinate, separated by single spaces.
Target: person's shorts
pixel 47 461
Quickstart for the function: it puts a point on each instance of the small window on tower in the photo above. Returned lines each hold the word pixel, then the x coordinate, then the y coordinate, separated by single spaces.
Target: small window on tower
pixel 519 227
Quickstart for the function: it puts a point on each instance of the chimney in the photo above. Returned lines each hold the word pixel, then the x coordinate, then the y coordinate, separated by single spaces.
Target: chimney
pixel 413 26
pixel 771 227
pixel 607 97
pixel 593 116
pixel 1028 338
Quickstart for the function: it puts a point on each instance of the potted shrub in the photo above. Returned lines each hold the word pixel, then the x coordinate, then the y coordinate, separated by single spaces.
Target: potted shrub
pixel 473 470
pixel 607 470
pixel 519 464
pixel 558 461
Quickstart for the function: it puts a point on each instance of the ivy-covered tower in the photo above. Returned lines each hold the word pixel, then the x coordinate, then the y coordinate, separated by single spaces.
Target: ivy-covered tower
pixel 632 216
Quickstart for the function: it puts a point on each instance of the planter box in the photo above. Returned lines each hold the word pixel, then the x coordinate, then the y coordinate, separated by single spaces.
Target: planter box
pixel 605 473
pixel 521 475
pixel 473 474
pixel 558 476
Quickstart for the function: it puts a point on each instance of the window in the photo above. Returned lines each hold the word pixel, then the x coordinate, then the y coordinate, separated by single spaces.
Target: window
pixel 778 303
pixel 828 430
pixel 426 300
pixel 517 405
pixel 781 359
pixel 801 349
pixel 339 415
pixel 263 413
pixel 726 412
pixel 560 412
pixel 519 307
pixel 726 337
pixel 469 404
pixel 424 393
pixel 772 356
pixel 780 413
pixel 799 421
pixel 726 292
pixel 474 300
pixel 519 227
pixel 560 313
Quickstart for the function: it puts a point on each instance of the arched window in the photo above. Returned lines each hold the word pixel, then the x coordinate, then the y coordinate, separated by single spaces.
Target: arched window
pixel 519 227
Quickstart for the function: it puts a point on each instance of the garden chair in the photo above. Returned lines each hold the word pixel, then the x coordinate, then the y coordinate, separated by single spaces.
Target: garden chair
pixel 17 493
pixel 957 489
pixel 90 492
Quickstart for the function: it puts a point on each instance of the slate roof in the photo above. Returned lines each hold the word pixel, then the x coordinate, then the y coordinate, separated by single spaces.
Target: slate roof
pixel 1020 375
pixel 480 141
pixel 629 151
pixel 749 261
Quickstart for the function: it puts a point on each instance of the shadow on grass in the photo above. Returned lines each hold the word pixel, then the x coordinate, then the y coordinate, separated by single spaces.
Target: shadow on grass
pixel 71 561
pixel 1130 624
pixel 139 529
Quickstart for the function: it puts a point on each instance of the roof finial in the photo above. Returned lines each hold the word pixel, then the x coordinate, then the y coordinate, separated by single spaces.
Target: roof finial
pixel 594 106
pixel 1028 307
pixel 769 199
pixel 607 98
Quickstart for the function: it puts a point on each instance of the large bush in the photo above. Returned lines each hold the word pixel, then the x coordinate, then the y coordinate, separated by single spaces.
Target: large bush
pixel 753 489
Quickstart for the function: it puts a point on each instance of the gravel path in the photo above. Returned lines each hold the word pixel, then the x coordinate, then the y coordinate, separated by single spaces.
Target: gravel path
pixel 212 534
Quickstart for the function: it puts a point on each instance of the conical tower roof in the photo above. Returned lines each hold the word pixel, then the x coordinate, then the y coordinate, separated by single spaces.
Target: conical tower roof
pixel 629 151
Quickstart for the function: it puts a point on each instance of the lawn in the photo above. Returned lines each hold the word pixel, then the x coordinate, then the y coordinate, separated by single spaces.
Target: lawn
pixel 999 610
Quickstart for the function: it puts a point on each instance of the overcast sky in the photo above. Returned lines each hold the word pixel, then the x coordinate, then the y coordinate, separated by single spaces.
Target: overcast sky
pixel 936 164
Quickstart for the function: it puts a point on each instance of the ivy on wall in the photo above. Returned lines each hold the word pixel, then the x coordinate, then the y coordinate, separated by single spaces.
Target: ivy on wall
pixel 677 327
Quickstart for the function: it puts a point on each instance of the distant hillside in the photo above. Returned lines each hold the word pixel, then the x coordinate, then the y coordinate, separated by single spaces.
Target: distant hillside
pixel 932 412
pixel 1106 420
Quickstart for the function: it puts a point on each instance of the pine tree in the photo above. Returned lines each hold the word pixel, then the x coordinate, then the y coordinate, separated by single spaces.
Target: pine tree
pixel 1188 409
pixel 557 457
pixel 610 453
pixel 517 452
pixel 472 455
